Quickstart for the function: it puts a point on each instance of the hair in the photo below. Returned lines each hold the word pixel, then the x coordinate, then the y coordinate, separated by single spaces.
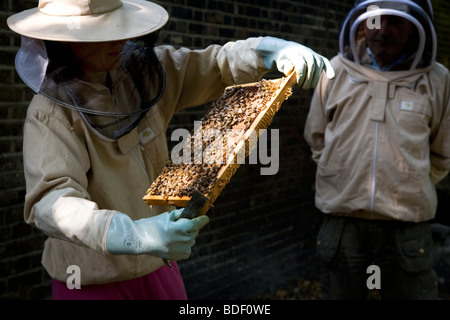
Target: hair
pixel 62 64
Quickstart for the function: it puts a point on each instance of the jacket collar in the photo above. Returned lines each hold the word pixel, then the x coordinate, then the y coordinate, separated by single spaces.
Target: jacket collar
pixel 362 73
pixel 382 85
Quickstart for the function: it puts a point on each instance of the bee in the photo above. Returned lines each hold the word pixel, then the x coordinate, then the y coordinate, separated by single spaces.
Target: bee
pixel 237 108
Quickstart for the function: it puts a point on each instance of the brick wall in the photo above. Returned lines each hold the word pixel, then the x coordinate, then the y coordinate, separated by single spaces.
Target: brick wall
pixel 262 228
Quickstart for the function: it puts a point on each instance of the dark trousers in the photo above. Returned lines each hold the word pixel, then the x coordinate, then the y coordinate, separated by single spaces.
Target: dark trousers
pixel 361 255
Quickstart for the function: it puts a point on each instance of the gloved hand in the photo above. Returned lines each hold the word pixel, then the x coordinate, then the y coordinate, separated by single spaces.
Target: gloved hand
pixel 162 236
pixel 286 55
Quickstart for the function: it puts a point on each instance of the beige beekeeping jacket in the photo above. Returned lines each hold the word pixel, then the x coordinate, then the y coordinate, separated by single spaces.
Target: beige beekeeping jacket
pixel 381 140
pixel 77 179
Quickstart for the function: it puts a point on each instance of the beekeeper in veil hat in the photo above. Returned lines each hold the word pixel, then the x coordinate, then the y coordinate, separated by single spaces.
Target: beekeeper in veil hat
pixel 95 136
pixel 380 135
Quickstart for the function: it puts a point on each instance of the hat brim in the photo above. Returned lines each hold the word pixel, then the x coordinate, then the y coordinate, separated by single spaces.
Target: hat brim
pixel 134 19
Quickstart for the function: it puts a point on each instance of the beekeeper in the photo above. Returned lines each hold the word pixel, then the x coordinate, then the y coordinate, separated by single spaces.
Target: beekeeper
pixel 380 134
pixel 95 136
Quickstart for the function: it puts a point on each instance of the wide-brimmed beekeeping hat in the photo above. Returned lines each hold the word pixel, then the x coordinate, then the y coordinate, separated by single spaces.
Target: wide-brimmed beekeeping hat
pixel 89 20
pixel 47 65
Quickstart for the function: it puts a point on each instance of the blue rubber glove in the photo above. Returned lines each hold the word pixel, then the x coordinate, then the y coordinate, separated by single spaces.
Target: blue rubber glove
pixel 285 55
pixel 164 236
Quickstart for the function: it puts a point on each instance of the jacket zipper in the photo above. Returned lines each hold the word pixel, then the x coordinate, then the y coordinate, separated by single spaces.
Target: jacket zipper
pixel 143 169
pixel 372 187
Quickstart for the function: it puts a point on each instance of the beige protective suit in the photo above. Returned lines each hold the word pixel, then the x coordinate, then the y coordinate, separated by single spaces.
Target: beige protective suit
pixel 381 140
pixel 77 179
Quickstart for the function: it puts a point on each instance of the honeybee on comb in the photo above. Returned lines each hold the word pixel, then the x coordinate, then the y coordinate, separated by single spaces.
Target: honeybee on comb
pixel 219 142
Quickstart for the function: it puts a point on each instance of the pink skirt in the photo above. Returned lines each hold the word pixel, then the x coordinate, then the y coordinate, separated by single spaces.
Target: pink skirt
pixel 163 284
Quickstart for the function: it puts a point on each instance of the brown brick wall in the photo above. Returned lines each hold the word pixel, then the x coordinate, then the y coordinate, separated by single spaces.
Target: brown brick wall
pixel 262 228
pixel 442 23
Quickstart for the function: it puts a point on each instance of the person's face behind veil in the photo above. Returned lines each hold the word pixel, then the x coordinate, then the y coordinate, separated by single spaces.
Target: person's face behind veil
pixel 96 58
pixel 390 41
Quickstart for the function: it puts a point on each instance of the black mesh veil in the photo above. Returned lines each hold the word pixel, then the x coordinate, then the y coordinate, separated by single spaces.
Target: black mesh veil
pixel 140 83
pixel 423 45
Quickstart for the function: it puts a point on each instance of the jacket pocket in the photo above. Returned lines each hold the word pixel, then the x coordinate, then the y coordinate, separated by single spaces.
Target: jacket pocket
pixel 328 182
pixel 415 247
pixel 413 116
pixel 329 238
pixel 152 136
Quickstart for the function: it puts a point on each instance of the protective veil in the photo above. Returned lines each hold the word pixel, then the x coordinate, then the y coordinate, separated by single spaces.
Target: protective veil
pixel 49 68
pixel 366 14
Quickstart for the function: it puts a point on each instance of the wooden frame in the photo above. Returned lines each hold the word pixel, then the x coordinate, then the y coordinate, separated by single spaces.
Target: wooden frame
pixel 262 121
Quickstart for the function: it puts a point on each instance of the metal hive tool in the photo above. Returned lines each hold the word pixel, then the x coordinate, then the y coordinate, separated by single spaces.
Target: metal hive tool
pixel 176 184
